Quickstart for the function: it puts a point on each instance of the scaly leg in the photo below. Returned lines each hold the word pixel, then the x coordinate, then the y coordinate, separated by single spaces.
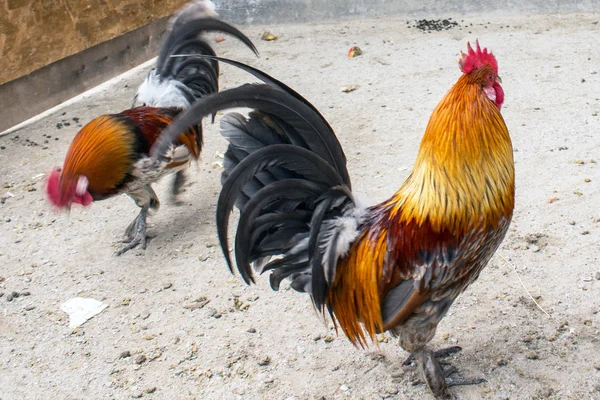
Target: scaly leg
pixel 433 375
pixel 135 234
pixel 439 379
pixel 178 182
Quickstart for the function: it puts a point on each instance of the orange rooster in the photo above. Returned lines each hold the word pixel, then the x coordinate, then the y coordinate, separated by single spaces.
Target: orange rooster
pixel 398 265
pixel 109 155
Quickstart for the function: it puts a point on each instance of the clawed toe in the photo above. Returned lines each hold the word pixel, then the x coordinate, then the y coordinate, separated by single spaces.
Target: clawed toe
pixel 441 353
pixel 138 240
pixel 460 381
pixel 449 370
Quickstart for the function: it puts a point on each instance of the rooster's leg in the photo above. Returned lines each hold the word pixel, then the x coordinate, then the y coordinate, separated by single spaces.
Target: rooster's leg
pixel 433 374
pixel 135 234
pixel 178 182
pixel 437 378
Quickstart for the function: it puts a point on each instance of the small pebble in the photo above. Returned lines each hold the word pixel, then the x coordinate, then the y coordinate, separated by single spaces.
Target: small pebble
pixel 7 219
pixel 125 354
pixel 25 294
pixel 251 330
pixel 598 276
pixel 268 36
pixel 389 391
pixel 167 285
pixel 140 359
pixel 29 308
pixel 532 356
pixel 9 297
pixel 151 390
pixel 398 374
pixel 265 361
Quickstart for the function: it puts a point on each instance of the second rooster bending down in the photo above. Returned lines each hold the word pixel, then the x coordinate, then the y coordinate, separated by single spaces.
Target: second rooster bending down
pixel 110 155
pixel 398 265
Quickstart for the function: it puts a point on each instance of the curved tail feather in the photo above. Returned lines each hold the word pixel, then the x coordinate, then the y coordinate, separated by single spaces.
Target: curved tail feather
pixel 182 75
pixel 286 171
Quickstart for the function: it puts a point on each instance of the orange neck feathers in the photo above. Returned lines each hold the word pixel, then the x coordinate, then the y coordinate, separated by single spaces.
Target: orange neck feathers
pixel 102 152
pixel 464 172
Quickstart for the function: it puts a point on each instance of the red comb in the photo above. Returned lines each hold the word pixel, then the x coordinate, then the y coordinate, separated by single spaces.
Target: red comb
pixel 475 59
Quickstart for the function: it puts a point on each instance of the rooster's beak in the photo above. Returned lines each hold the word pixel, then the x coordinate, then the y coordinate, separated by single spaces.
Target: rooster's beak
pixel 498 80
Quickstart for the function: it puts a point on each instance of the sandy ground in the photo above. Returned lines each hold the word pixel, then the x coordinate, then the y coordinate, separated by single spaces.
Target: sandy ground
pixel 179 326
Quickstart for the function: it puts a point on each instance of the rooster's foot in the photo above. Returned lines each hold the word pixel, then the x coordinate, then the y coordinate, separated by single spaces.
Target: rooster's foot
pixel 135 234
pixel 437 378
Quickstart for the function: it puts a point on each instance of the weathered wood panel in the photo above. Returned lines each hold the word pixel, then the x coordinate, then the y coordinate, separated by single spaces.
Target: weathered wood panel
pixel 35 33
pixel 29 95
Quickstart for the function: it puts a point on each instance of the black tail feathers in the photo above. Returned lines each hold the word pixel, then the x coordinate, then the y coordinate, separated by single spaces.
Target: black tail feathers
pixel 182 75
pixel 286 171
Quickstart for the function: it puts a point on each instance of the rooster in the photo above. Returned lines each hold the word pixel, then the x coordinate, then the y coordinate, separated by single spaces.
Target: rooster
pixel 397 265
pixel 109 155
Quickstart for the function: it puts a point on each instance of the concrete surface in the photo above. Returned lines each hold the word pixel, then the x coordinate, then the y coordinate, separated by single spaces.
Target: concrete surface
pixel 278 11
pixel 159 340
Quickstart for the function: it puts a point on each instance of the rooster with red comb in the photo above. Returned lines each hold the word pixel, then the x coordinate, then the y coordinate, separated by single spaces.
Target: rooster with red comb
pixel 395 266
pixel 110 155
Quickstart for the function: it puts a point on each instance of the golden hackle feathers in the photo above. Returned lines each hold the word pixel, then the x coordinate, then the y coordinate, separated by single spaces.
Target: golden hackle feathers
pixel 464 170
pixel 101 151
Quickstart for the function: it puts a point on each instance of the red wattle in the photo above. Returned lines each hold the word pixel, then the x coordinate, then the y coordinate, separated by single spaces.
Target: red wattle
pixel 53 188
pixel 499 95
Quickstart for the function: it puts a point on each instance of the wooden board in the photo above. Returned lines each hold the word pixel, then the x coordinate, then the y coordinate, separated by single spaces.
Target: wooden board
pixel 49 86
pixel 35 33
